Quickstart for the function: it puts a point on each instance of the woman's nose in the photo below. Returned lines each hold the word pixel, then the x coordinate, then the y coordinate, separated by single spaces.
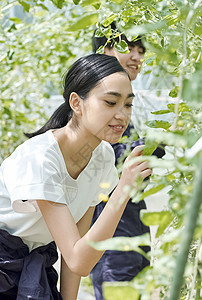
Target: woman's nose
pixel 122 114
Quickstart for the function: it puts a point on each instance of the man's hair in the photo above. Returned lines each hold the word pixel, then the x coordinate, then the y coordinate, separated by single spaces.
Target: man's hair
pixel 97 42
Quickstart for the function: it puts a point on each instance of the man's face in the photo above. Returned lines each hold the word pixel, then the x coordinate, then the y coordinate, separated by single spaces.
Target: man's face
pixel 131 61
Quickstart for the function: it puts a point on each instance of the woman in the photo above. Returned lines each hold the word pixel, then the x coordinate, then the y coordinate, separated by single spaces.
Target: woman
pixel 51 183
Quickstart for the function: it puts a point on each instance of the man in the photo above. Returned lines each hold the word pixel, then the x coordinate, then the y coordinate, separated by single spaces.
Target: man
pixel 130 61
pixel 118 265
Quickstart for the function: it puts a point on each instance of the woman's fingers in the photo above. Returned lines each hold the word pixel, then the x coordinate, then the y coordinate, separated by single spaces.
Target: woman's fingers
pixel 141 166
pixel 143 169
pixel 146 173
pixel 137 151
pixel 129 176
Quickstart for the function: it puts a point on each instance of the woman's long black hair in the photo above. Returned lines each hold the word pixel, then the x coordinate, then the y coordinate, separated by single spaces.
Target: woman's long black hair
pixel 82 77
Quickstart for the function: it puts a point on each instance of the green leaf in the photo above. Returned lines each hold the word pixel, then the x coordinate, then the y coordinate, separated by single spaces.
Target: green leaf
pixel 118 1
pixel 123 139
pixel 124 243
pixel 152 191
pixel 160 112
pixel 183 107
pixel 76 2
pixel 83 22
pixel 43 6
pixel 3 56
pixel 149 149
pixel 198 29
pixel 119 291
pixel 121 47
pixel 25 5
pixel 59 3
pixel 162 218
pixel 105 31
pixel 158 124
pixel 174 92
pixel 170 177
pixel 171 107
pixel 154 218
pixel 99 33
pixel 109 20
pixel 16 20
pixel 100 50
pixel 149 60
pixel 88 2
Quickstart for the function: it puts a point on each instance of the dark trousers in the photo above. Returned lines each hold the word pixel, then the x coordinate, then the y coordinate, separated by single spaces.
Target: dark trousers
pixel 120 265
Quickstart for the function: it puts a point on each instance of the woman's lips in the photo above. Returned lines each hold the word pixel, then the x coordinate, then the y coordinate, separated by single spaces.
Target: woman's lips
pixel 134 67
pixel 117 128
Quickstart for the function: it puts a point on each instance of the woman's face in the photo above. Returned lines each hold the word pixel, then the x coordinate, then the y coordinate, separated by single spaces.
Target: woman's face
pixel 130 61
pixel 107 110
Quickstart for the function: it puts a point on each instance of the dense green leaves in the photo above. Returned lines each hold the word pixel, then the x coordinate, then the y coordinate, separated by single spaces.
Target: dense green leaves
pixel 83 22
pixel 33 59
pixel 41 41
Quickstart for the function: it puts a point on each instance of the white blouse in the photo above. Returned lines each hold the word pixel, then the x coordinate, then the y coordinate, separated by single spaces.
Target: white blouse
pixel 37 170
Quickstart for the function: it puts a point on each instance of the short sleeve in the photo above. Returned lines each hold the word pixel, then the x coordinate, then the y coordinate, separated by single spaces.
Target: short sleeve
pixel 33 176
pixel 109 179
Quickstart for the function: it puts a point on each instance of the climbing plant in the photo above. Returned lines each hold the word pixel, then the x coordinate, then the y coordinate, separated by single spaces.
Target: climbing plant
pixel 38 45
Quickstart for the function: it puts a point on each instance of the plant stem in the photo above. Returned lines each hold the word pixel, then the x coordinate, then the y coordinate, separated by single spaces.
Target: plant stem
pixel 195 270
pixel 187 237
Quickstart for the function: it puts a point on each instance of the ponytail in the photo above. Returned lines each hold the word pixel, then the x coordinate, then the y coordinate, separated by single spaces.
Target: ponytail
pixel 59 119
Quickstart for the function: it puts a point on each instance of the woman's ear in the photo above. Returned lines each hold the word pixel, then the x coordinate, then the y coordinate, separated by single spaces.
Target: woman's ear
pixel 75 103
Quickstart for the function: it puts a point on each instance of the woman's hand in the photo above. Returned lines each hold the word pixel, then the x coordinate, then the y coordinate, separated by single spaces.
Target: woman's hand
pixel 132 172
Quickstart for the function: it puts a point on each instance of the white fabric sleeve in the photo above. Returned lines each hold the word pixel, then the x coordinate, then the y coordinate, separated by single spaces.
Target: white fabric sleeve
pixel 31 178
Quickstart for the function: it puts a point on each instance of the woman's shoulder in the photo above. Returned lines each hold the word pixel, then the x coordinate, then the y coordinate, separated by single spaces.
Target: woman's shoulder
pixel 33 149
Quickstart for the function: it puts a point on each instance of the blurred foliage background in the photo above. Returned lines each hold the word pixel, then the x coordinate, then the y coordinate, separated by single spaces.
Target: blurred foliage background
pixel 39 40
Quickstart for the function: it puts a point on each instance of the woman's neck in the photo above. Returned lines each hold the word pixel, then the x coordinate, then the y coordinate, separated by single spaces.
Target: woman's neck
pixel 76 147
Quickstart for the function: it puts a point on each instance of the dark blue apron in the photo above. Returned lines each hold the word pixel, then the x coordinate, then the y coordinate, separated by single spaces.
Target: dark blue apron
pixel 24 274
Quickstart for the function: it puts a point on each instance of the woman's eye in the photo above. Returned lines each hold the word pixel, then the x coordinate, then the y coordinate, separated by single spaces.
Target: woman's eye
pixel 110 103
pixel 141 51
pixel 129 105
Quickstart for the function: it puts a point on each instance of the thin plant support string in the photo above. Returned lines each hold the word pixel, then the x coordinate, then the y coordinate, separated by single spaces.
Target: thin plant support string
pixel 187 237
pixel 195 270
